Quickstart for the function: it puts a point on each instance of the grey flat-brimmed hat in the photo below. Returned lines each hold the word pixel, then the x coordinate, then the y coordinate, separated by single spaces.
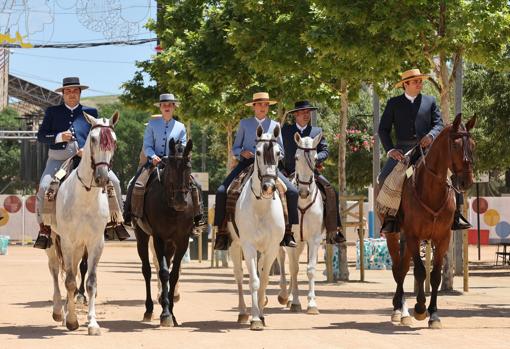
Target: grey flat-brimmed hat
pixel 71 82
pixel 168 98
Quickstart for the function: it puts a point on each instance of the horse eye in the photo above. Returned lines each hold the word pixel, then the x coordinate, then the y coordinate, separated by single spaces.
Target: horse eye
pixel 278 153
pixel 258 153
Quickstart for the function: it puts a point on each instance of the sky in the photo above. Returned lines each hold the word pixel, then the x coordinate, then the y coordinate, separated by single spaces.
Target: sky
pixel 102 68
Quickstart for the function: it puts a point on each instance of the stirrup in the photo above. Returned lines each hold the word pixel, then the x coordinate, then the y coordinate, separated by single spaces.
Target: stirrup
pixel 288 240
pixel 42 242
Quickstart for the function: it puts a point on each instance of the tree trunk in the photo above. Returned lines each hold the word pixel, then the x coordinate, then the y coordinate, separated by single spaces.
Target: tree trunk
pixel 342 185
pixel 230 160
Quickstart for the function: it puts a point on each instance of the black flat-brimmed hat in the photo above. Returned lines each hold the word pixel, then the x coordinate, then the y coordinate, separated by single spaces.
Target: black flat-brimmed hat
pixel 302 105
pixel 71 82
pixel 167 98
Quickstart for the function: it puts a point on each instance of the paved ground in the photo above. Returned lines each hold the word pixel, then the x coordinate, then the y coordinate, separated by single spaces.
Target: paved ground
pixel 353 314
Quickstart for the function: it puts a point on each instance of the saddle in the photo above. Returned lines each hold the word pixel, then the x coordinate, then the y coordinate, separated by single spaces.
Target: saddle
pixel 49 212
pixel 236 187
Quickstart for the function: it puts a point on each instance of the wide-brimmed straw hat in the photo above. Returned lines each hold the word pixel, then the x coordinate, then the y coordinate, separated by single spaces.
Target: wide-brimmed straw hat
pixel 411 75
pixel 167 98
pixel 302 105
pixel 71 82
pixel 261 97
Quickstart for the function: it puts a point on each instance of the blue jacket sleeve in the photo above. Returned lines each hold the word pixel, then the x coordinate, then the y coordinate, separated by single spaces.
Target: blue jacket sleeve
pixel 45 134
pixel 237 147
pixel 148 141
pixel 436 120
pixel 386 125
pixel 183 136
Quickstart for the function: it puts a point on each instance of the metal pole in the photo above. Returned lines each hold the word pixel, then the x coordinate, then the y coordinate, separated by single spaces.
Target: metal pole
pixel 478 217
pixel 361 234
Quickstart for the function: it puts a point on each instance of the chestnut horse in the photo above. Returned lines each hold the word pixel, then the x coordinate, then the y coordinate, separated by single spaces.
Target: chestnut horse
pixel 426 213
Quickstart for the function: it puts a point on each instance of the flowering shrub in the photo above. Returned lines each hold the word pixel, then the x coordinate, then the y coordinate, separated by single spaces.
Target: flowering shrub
pixel 358 140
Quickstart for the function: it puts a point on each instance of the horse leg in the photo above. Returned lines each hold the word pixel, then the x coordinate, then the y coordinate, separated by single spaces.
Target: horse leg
pixel 294 254
pixel 174 274
pixel 393 243
pixel 54 266
pixel 156 264
pixel 142 246
pixel 420 309
pixel 95 250
pixel 283 295
pixel 250 257
pixel 70 282
pixel 435 281
pixel 267 259
pixel 237 259
pixel 80 297
pixel 313 247
pixel 399 301
pixel 164 277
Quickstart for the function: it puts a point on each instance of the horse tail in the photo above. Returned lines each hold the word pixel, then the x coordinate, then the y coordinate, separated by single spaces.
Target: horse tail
pixel 60 257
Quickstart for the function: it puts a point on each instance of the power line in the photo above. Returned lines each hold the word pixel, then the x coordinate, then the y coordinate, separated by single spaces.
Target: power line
pixel 88 44
pixel 72 59
pixel 89 12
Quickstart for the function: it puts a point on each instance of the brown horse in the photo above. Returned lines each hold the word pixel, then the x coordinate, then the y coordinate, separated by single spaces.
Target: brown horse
pixel 426 213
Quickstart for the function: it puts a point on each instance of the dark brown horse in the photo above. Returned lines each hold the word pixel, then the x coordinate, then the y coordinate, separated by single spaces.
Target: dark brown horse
pixel 168 217
pixel 426 213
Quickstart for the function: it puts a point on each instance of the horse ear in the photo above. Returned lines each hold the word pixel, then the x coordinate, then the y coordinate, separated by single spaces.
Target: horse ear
pixel 297 138
pixel 90 119
pixel 276 131
pixel 471 123
pixel 260 130
pixel 317 139
pixel 115 118
pixel 189 147
pixel 171 146
pixel 456 122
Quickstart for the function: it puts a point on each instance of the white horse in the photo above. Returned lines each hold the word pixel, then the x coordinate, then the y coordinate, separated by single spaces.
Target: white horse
pixel 82 213
pixel 260 223
pixel 311 226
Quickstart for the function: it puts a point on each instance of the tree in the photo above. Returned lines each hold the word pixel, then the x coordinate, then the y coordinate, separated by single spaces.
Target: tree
pixel 10 153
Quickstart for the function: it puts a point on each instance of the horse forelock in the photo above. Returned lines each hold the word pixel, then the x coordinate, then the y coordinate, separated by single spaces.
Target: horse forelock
pixel 106 139
pixel 306 142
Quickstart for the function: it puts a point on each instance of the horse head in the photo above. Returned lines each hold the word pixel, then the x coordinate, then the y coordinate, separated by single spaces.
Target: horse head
pixel 177 173
pixel 306 157
pixel 267 153
pixel 461 150
pixel 100 146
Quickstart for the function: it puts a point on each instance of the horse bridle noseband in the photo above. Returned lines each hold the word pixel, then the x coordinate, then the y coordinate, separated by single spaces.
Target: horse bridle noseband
pixel 93 163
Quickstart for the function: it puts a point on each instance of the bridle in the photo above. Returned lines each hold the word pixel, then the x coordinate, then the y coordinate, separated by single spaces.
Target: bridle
pixel 172 190
pixel 310 164
pixel 467 156
pixel 268 160
pixel 93 164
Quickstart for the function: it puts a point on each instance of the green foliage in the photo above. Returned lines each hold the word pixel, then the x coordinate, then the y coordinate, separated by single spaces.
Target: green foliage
pixel 10 153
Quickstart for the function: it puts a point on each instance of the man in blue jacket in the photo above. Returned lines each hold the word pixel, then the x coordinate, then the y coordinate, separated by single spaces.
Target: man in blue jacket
pixel 302 114
pixel 417 120
pixel 65 129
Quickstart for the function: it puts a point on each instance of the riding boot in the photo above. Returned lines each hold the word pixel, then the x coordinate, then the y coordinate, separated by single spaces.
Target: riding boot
pixel 335 237
pixel 43 238
pixel 288 238
pixel 389 225
pixel 121 232
pixel 459 222
pixel 223 239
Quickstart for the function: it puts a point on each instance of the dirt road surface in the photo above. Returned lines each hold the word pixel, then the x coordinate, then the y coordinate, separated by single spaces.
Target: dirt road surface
pixel 353 314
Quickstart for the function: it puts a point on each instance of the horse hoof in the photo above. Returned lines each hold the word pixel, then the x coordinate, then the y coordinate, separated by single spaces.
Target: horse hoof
pixel 166 322
pixel 282 300
pixel 312 311
pixel 177 298
pixel 420 316
pixel 57 317
pixel 71 326
pixel 147 317
pixel 256 325
pixel 81 299
pixel 295 308
pixel 94 331
pixel 406 321
pixel 435 324
pixel 396 316
pixel 242 318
